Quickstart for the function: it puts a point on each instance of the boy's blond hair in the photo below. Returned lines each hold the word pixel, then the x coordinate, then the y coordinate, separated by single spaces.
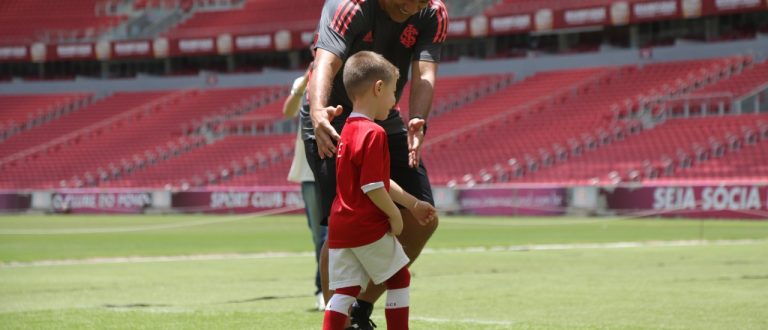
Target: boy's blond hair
pixel 365 68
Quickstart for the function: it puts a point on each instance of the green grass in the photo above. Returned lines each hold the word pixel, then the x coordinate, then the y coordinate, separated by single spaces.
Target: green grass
pixel 709 286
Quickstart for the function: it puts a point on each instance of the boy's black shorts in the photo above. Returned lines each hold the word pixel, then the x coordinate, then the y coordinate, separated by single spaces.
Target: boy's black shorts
pixel 413 180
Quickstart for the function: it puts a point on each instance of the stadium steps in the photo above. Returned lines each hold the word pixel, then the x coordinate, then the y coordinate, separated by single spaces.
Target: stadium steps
pixel 742 160
pixel 25 112
pixel 720 96
pixel 151 18
pixel 226 161
pixel 661 152
pixel 739 84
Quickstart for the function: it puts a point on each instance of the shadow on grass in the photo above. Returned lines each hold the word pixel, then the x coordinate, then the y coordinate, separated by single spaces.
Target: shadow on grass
pixel 138 305
pixel 265 298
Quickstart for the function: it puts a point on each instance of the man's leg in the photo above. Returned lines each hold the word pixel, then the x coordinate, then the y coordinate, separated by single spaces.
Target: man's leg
pixel 319 232
pixel 324 171
pixel 327 293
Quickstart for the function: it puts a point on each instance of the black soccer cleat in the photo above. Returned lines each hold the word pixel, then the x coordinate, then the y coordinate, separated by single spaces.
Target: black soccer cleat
pixel 361 324
pixel 360 317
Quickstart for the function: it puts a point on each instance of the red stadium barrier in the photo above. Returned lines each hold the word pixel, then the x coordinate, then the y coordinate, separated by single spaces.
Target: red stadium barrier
pixel 238 200
pixel 11 201
pixel 699 201
pixel 101 201
pixel 518 201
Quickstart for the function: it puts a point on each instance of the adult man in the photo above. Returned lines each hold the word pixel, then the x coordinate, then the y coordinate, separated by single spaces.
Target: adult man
pixel 409 34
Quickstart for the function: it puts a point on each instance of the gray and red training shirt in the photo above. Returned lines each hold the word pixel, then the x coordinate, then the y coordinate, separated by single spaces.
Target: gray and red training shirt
pixel 349 26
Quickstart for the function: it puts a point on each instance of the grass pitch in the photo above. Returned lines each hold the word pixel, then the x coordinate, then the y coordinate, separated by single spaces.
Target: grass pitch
pixel 240 272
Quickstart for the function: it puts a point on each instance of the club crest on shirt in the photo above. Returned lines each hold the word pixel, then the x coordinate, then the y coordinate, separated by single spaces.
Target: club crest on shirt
pixel 408 37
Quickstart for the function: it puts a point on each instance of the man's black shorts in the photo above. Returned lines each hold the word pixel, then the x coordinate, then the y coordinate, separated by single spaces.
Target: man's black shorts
pixel 413 180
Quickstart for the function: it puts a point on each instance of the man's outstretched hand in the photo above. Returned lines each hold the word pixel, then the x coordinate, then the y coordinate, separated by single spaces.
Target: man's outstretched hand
pixel 415 140
pixel 423 212
pixel 325 135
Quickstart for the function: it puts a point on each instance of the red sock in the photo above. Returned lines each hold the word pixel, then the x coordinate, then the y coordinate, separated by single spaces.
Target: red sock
pixel 397 318
pixel 333 320
pixel 398 300
pixel 337 309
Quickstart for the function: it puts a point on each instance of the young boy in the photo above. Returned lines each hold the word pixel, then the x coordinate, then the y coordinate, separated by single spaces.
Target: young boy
pixel 364 218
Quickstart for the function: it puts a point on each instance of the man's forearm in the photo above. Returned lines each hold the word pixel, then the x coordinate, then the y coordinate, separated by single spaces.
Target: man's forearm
pixel 325 68
pixel 422 89
pixel 319 88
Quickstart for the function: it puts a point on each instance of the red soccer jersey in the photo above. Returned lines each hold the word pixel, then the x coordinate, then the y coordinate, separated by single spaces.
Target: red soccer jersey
pixel 362 164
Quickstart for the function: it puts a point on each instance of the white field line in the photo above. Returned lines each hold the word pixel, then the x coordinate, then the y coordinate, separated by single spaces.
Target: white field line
pixel 609 245
pixel 225 219
pixel 528 223
pixel 277 255
pixel 141 259
pixel 463 320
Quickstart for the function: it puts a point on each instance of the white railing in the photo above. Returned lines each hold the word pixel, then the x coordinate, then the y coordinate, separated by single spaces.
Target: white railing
pixel 756 100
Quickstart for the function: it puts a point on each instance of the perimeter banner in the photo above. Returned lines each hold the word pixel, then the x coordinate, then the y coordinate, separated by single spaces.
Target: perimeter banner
pixel 14 202
pixel 119 202
pixel 240 200
pixel 533 201
pixel 701 201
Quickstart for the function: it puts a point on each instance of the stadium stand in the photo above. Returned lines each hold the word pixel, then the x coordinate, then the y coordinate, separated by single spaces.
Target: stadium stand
pixel 453 92
pixel 233 160
pixel 666 151
pixel 267 120
pixel 738 85
pixel 24 112
pixel 146 125
pixel 255 16
pixel 717 98
pixel 449 132
pixel 744 160
pixel 31 20
pixel 541 135
pixel 565 125
pixel 87 117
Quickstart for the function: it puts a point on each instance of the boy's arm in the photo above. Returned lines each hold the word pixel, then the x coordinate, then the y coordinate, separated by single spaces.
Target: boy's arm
pixel 381 199
pixel 423 212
